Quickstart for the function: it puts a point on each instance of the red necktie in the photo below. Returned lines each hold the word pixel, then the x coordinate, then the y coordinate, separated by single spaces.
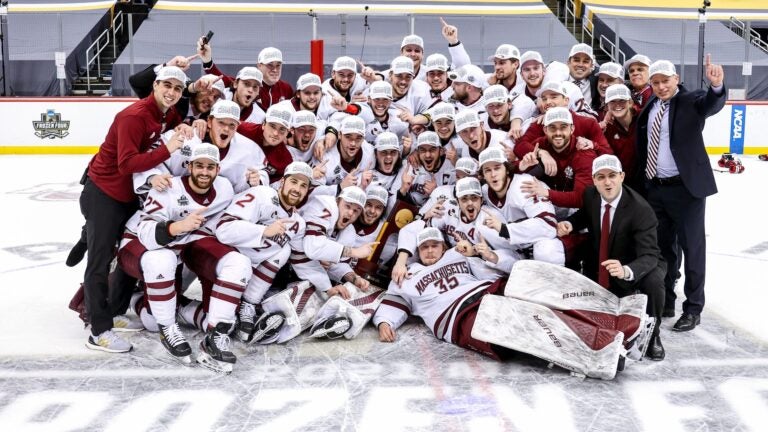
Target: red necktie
pixel 605 234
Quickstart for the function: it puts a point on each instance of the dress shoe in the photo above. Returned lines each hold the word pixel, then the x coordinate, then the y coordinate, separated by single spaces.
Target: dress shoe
pixel 76 254
pixel 668 313
pixel 687 322
pixel 655 350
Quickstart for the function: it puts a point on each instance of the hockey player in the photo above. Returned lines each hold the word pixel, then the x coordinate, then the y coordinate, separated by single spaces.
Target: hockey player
pixel 326 217
pixel 345 81
pixel 271 136
pixel 440 88
pixel 381 117
pixel 274 90
pixel 417 182
pixel 503 113
pixel 532 70
pixel 243 90
pixel 528 222
pixel 350 154
pixel 388 162
pixel 264 225
pixel 241 159
pixel 171 223
pixel 475 139
pixel 304 135
pixel 410 96
pixel 465 167
pixel 506 61
pixel 485 316
pixel 468 83
pixel 610 73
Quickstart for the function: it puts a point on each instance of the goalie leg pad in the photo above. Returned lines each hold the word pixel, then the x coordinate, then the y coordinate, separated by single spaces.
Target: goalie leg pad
pixel 560 288
pixel 550 335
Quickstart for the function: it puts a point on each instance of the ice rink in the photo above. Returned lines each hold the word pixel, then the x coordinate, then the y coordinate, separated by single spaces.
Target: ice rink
pixel 714 378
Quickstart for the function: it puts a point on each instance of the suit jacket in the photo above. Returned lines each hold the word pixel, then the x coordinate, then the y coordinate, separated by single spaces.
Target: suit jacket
pixel 687 113
pixel 632 238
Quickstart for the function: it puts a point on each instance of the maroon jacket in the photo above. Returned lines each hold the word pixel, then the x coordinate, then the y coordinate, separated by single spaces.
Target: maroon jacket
pixel 586 127
pixel 272 94
pixel 278 157
pixel 622 141
pixel 574 174
pixel 128 147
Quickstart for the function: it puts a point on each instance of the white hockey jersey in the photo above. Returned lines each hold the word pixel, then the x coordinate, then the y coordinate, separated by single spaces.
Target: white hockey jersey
pixel 374 127
pixel 242 224
pixel 335 171
pixel 493 137
pixel 417 100
pixel 241 155
pixel 435 293
pixel 528 219
pixel 445 175
pixel 175 204
pixel 257 116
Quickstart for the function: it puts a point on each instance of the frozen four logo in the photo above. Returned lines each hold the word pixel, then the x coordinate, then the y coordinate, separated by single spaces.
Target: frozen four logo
pixel 51 125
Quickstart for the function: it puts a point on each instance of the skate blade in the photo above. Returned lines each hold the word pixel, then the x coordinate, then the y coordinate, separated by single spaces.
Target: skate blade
pixel 210 363
pixel 185 360
pixel 243 336
pixel 273 325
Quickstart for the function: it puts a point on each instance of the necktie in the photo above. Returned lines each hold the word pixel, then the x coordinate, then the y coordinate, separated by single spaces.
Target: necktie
pixel 653 142
pixel 605 233
pixel 578 83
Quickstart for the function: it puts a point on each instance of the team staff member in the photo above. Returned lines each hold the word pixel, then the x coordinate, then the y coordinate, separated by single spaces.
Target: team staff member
pixel 107 200
pixel 678 177
pixel 629 258
pixel 637 69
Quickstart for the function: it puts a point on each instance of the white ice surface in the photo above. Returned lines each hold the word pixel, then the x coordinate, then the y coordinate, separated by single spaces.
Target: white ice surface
pixel 714 378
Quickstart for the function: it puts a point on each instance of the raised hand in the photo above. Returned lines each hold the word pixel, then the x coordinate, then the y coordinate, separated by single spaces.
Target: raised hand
pixel 277 227
pixel 450 33
pixel 491 221
pixel 252 177
pixel 350 179
pixel 160 182
pixel 714 72
pixel 318 172
pixel 204 51
pixel 363 251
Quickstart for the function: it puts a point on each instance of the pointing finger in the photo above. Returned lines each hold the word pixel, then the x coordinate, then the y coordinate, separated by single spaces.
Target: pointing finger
pixel 709 59
pixel 442 22
pixel 200 211
pixel 192 57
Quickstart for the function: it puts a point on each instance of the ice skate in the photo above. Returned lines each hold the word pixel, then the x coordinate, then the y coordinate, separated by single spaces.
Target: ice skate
pixel 267 328
pixel 246 321
pixel 173 341
pixel 332 328
pixel 215 349
pixel 637 347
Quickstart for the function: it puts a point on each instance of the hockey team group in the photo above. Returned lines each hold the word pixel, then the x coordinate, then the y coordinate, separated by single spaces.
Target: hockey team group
pixel 489 199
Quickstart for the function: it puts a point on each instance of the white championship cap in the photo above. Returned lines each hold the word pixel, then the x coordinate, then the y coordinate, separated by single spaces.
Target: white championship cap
pixel 664 67
pixel 378 193
pixel 380 90
pixel 303 118
pixel 442 110
pixel 308 80
pixel 558 114
pixel 617 92
pixel 218 84
pixel 574 94
pixel 613 70
pixel 581 48
pixel 468 186
pixel 412 40
pixel 436 62
pixel 553 86
pixel 353 195
pixel 493 154
pixel 269 55
pixel 531 56
pixel 226 109
pixel 496 93
pixel 469 74
pixel 387 141
pixel 205 151
pixel 298 168
pixel 466 119
pixel 345 63
pixel 402 64
pixel 637 58
pixel 467 165
pixel 428 234
pixel 428 138
pixel 353 125
pixel 250 73
pixel 171 73
pixel 280 114
pixel 606 161
pixel 506 51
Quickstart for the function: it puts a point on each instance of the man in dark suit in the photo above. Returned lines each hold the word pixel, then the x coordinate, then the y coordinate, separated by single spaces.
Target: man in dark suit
pixel 622 233
pixel 674 166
